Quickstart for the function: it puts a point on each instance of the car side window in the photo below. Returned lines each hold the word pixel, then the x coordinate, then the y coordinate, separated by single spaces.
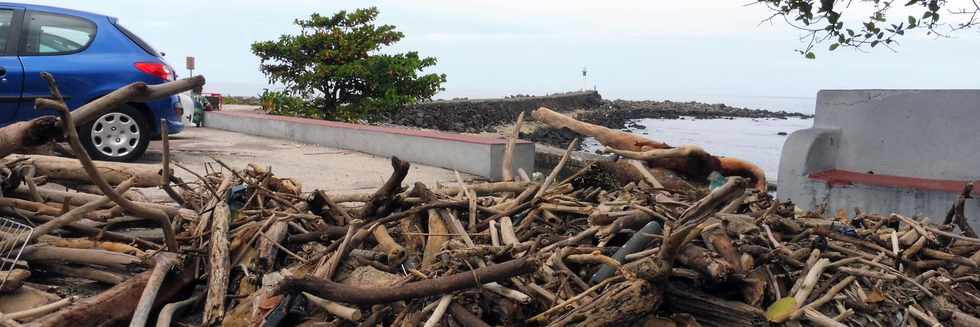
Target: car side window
pixel 6 19
pixel 51 34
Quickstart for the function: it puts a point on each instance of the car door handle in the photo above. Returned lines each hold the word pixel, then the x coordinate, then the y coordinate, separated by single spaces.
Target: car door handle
pixel 3 72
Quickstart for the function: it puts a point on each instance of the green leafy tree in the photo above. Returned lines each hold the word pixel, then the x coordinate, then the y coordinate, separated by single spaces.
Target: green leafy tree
pixel 871 23
pixel 336 64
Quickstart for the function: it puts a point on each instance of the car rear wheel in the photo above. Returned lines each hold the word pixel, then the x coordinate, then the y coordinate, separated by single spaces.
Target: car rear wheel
pixel 119 135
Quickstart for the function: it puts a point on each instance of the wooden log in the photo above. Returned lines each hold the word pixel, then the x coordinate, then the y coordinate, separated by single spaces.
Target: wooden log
pixel 353 237
pixel 965 269
pixel 711 311
pixel 810 280
pixel 386 193
pixel 622 304
pixel 394 251
pixel 79 198
pixel 13 279
pixel 98 275
pixel 41 310
pixel 268 247
pixel 608 137
pixel 329 232
pixel 84 243
pixel 441 307
pixel 81 256
pixel 337 309
pixel 135 92
pixel 639 241
pixel 487 188
pixel 717 240
pixel 68 169
pixel 690 160
pixel 464 317
pixel 956 213
pixel 459 281
pixel 438 235
pixel 164 261
pixel 962 319
pixel 413 242
pixel 704 261
pixel 34 132
pixel 219 266
pixel 507 166
pixel 167 313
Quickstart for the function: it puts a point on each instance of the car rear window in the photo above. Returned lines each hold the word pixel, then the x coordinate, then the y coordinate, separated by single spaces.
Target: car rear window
pixel 137 39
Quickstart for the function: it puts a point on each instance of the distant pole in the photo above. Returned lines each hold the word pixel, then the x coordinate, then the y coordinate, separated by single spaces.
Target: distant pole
pixel 189 63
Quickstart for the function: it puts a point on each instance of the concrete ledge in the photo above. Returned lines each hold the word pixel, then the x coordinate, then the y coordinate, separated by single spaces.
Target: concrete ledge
pixel 881 199
pixel 477 155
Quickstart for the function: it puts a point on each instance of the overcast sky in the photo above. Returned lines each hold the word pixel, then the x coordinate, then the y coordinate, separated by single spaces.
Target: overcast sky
pixel 708 50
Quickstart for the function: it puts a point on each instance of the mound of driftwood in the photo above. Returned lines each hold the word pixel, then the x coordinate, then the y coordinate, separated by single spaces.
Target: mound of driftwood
pixel 244 247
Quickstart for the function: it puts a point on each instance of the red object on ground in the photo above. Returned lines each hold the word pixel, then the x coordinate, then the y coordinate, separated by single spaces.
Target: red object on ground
pixel 836 177
pixel 216 100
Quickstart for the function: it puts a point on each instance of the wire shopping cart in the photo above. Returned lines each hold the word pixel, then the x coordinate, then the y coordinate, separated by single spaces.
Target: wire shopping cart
pixel 10 251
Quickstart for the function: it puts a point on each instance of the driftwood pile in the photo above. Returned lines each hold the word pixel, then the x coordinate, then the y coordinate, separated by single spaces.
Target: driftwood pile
pixel 244 247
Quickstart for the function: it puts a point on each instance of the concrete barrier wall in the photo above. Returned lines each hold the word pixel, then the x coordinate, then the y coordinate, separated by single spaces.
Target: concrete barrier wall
pixel 481 156
pixel 920 133
pixel 482 115
pixel 904 151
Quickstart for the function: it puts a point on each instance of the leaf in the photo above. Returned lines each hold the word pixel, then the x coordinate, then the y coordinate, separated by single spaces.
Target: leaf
pixel 834 46
pixel 780 310
pixel 911 21
pixel 811 55
pixel 874 296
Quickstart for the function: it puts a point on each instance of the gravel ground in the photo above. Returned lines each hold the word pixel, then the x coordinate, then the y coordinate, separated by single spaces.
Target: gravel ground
pixel 315 166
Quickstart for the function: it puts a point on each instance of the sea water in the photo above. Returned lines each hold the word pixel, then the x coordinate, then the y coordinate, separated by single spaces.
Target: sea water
pixel 756 140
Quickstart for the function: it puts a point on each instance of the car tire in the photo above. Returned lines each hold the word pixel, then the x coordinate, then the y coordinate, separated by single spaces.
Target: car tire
pixel 122 134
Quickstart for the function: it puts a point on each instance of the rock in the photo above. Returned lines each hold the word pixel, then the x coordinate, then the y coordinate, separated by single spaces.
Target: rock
pixel 369 277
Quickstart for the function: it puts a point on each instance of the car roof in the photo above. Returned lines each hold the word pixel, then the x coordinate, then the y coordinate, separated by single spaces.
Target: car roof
pixel 57 10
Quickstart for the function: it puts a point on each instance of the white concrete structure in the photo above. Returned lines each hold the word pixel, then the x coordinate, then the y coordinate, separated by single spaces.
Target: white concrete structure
pixel 477 155
pixel 903 151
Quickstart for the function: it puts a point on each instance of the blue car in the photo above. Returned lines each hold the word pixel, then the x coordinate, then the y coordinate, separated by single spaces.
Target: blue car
pixel 89 55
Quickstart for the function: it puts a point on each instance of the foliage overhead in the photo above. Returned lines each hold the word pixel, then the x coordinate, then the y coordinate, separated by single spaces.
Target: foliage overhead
pixel 336 64
pixel 871 23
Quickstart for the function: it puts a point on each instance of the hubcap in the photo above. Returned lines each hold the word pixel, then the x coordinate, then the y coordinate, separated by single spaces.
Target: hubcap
pixel 115 134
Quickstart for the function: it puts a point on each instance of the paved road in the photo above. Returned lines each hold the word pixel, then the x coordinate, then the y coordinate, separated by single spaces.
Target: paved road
pixel 315 166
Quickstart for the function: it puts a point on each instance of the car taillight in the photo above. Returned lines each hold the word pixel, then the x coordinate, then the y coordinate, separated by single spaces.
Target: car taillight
pixel 179 108
pixel 155 68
